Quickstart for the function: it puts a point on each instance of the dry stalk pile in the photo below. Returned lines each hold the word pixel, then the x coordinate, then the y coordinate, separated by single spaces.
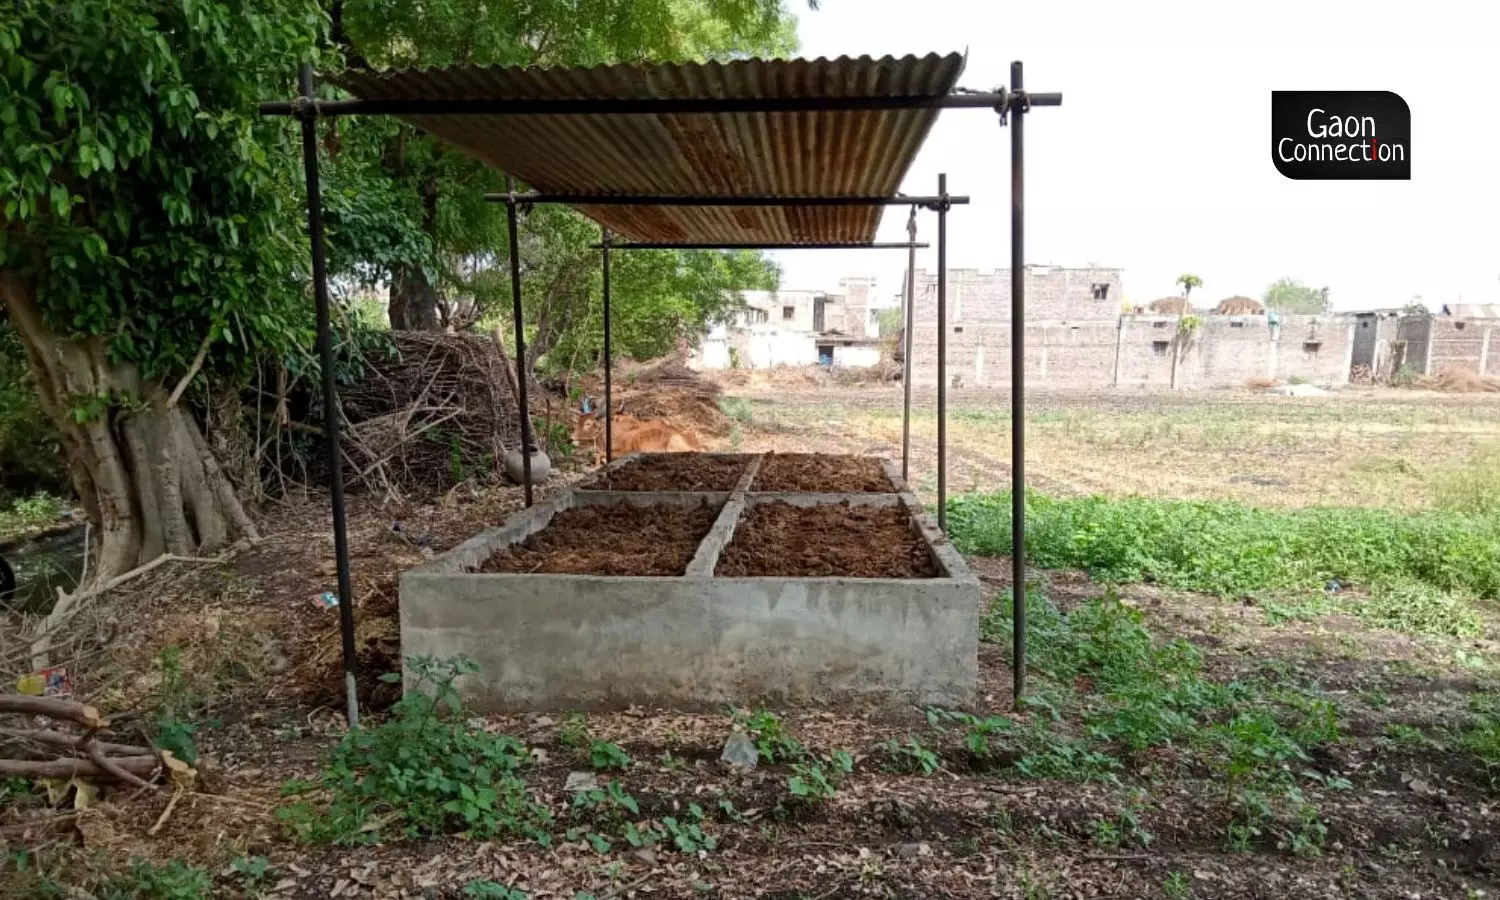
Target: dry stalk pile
pixel 667 389
pixel 435 412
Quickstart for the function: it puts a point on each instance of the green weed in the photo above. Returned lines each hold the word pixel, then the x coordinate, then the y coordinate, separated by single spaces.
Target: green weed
pixel 817 779
pixel 421 773
pixel 605 756
pixel 911 756
pixel 772 740
pixel 1176 887
pixel 489 890
pixel 146 880
pixel 1418 608
pixel 1232 549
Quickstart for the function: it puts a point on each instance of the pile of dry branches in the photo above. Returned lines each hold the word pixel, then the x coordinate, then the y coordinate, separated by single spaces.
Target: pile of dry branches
pixel 667 389
pixel 69 746
pixel 436 411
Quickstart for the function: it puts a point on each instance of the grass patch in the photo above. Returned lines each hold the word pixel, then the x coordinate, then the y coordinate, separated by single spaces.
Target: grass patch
pixel 1472 488
pixel 1418 608
pixel 1232 549
pixel 26 513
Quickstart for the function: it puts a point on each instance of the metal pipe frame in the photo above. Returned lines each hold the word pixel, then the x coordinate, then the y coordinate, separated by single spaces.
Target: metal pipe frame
pixel 609 410
pixel 1018 384
pixel 304 106
pixel 523 409
pixel 942 359
pixel 643 245
pixel 1011 104
pixel 330 399
pixel 720 200
pixel 911 274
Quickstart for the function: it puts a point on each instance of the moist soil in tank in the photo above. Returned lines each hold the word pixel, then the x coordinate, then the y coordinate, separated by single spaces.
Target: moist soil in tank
pixel 619 539
pixel 838 540
pixel 675 472
pixel 822 473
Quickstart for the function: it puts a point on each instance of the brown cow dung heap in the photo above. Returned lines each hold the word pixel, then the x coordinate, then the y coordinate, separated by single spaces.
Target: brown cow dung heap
pixel 822 473
pixel 611 540
pixel 781 540
pixel 674 472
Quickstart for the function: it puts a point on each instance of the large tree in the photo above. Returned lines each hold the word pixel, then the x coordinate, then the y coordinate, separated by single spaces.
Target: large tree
pixel 438 233
pixel 148 238
pixel 1289 295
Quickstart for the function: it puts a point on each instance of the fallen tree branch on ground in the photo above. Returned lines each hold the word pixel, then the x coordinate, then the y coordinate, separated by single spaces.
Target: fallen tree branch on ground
pixel 52 752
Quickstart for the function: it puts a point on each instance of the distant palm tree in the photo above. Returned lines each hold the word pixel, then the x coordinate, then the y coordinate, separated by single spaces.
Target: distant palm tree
pixel 1189 282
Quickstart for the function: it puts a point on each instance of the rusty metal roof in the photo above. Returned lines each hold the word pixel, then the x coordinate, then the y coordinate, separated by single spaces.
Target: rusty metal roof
pixel 802 153
pixel 1472 310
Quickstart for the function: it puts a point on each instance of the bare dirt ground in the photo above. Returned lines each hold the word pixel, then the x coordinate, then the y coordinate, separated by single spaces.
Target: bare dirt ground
pixel 258 664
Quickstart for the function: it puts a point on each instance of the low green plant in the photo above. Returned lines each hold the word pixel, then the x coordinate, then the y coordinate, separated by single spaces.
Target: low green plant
pixel 818 778
pixel 737 409
pixel 574 732
pixel 1176 887
pixel 146 880
pixel 772 741
pixel 911 756
pixel 253 872
pixel 605 756
pixel 421 773
pixel 481 889
pixel 175 701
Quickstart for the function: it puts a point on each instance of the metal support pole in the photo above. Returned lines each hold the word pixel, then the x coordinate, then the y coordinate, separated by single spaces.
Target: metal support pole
pixel 942 358
pixel 911 272
pixel 1018 382
pixel 527 443
pixel 609 412
pixel 330 391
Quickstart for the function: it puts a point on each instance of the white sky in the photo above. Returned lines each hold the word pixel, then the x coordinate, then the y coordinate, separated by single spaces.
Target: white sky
pixel 1180 179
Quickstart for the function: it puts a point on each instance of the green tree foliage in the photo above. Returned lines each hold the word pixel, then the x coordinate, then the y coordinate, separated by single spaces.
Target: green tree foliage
pixel 147 232
pixel 29 451
pixel 1289 295
pixel 409 209
pixel 1188 283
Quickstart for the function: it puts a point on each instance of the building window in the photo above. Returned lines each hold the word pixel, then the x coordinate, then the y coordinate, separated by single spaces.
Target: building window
pixel 1311 348
pixel 1159 324
pixel 1365 324
pixel 1101 292
pixel 1159 349
pixel 788 313
pixel 1236 324
pixel 1459 326
pixel 958 329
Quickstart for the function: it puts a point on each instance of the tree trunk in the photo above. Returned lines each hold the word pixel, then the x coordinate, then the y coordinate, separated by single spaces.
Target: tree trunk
pixel 414 301
pixel 139 462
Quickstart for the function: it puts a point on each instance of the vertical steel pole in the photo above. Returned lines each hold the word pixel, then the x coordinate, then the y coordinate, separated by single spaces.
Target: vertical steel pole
pixel 911 271
pixel 609 413
pixel 1018 104
pixel 516 313
pixel 942 353
pixel 309 116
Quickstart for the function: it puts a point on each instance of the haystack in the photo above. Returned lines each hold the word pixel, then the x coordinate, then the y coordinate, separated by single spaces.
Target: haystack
pixel 1460 381
pixel 1171 306
pixel 1239 306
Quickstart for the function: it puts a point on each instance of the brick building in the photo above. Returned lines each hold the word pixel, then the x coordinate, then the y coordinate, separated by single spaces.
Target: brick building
pixel 1077 337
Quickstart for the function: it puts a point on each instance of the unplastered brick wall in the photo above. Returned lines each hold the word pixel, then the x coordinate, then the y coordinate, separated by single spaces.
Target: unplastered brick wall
pixel 1138 351
pixel 1052 295
pixel 856 307
pixel 1462 345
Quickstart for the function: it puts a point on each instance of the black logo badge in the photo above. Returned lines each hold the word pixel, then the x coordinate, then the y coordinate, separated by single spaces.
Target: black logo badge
pixel 1341 135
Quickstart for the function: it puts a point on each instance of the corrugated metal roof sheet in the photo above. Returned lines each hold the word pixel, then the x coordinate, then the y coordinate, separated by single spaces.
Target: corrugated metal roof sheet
pixel 802 153
pixel 1473 310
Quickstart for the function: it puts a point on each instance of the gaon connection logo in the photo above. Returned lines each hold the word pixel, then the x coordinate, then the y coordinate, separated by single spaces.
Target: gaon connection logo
pixel 1341 135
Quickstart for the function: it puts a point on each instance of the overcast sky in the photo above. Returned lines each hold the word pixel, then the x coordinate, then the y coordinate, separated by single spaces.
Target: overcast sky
pixel 1159 160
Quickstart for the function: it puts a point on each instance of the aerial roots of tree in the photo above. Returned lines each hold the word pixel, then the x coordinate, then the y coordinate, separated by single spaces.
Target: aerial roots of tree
pixel 137 458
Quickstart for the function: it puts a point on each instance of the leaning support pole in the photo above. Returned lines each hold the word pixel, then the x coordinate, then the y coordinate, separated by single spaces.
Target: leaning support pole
pixel 527 447
pixel 309 117
pixel 1018 107
pixel 609 411
pixel 911 271
pixel 942 356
